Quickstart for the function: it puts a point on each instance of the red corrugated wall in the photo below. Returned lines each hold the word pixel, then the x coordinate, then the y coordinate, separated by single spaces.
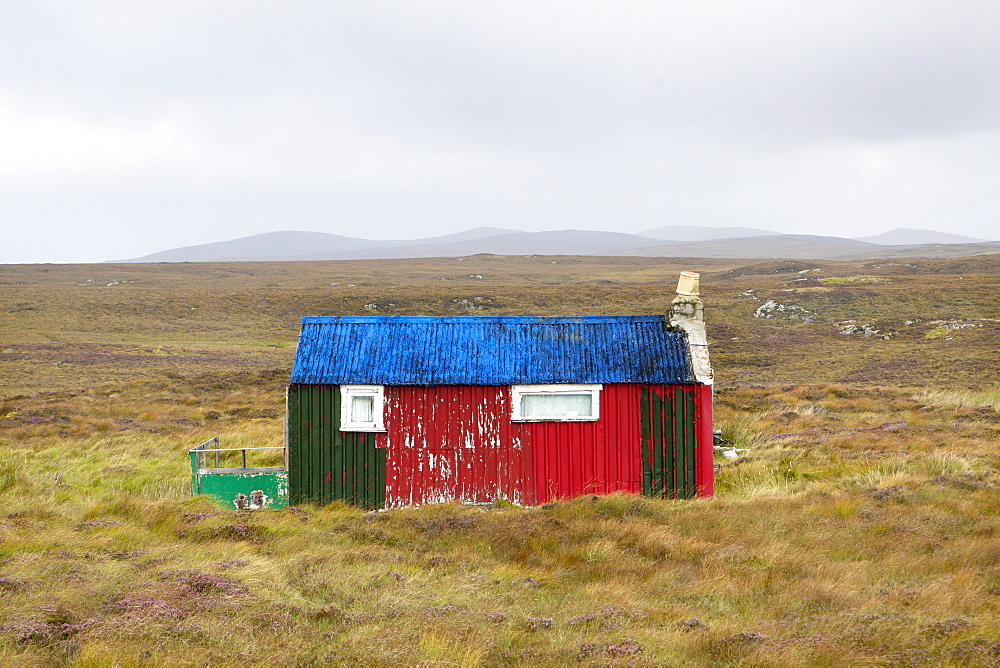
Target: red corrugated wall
pixel 705 473
pixel 451 442
pixel 574 458
pixel 458 443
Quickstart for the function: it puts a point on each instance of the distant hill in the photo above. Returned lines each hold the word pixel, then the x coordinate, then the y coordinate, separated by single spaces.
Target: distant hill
pixel 295 246
pixel 561 242
pixel 289 245
pixel 802 246
pixel 698 233
pixel 307 246
pixel 929 251
pixel 905 236
pixel 467 235
pixel 256 247
pixel 809 247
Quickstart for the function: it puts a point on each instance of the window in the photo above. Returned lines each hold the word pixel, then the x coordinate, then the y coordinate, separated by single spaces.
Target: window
pixel 361 407
pixel 555 403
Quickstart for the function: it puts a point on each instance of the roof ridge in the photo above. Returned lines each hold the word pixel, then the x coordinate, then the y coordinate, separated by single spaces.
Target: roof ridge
pixel 340 319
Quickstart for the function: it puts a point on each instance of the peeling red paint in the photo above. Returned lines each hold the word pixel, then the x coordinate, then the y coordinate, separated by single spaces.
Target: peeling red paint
pixel 449 443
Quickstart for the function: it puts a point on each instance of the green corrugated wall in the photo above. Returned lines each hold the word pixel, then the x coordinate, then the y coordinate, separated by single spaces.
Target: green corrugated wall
pixel 668 442
pixel 324 463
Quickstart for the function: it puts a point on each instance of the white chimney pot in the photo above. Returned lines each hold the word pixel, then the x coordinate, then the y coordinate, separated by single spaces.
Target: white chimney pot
pixel 687 284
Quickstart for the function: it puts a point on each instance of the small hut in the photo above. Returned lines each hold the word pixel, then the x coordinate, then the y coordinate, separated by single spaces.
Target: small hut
pixel 389 411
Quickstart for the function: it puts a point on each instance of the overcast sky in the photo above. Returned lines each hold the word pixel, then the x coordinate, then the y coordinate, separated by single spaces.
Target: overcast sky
pixel 132 127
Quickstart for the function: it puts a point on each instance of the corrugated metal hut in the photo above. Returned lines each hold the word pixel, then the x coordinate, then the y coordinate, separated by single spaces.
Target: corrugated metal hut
pixel 387 411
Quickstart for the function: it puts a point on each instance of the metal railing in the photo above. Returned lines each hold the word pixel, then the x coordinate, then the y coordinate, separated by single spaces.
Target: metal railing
pixel 200 456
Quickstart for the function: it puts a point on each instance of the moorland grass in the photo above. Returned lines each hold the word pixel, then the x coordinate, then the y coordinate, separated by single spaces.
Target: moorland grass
pixel 837 537
pixel 76 326
pixel 859 524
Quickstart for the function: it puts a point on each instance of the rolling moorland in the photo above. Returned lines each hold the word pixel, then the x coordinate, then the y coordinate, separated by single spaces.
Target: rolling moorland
pixel 859 525
pixel 671 241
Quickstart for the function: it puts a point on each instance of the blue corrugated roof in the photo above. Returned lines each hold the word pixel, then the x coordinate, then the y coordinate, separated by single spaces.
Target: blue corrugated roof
pixel 398 350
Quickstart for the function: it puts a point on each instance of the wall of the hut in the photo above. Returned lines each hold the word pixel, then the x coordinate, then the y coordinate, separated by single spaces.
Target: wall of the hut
pixel 457 442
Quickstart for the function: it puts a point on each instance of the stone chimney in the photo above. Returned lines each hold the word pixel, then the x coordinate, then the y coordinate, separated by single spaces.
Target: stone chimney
pixel 687 314
pixel 687 304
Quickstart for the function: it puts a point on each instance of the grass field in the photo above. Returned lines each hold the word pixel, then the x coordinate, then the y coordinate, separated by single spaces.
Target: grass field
pixel 859 526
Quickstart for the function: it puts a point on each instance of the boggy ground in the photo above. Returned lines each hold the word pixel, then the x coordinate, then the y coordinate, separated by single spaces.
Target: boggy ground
pixel 859 524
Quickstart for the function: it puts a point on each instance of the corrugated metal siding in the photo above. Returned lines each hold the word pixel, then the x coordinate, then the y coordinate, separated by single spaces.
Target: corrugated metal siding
pixel 324 463
pixel 490 351
pixel 703 419
pixel 458 443
pixel 450 443
pixel 669 442
pixel 576 458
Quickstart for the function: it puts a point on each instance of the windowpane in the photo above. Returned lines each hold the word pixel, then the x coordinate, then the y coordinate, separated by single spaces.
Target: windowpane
pixel 362 409
pixel 556 405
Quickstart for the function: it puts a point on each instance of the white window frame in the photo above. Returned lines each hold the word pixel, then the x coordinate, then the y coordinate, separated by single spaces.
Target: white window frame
pixel 518 391
pixel 347 394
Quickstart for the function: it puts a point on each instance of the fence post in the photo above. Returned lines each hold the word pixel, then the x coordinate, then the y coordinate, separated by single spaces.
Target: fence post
pixel 195 482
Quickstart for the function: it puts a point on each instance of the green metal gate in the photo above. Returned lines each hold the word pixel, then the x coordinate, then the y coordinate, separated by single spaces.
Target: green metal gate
pixel 216 471
pixel 667 417
pixel 324 463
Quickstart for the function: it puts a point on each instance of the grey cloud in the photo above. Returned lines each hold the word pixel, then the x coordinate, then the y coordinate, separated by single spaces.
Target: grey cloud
pixel 412 117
